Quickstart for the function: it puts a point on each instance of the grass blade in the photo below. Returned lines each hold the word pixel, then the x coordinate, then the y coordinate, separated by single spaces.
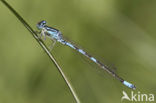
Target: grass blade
pixel 44 47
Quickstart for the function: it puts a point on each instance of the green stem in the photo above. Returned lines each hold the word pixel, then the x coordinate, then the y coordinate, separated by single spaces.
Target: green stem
pixel 44 47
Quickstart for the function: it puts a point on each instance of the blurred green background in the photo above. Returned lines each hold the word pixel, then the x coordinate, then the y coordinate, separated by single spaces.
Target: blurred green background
pixel 117 32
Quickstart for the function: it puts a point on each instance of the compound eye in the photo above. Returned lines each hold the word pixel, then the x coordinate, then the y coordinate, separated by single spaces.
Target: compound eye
pixel 41 24
pixel 44 22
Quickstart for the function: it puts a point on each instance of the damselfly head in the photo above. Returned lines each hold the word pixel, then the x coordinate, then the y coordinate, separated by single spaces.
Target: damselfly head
pixel 41 24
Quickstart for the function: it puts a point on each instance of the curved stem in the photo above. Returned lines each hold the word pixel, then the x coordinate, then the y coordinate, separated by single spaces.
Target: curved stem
pixel 44 47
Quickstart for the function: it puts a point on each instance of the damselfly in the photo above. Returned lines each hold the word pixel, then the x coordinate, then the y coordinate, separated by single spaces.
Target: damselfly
pixel 56 35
